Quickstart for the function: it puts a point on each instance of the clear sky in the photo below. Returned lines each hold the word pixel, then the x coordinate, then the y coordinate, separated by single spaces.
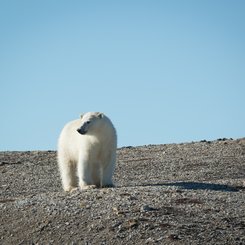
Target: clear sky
pixel 166 71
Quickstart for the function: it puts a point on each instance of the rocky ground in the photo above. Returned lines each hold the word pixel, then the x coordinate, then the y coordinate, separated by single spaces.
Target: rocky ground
pixel 165 194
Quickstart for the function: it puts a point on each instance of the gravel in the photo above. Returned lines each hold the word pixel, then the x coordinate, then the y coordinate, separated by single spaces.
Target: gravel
pixel 190 193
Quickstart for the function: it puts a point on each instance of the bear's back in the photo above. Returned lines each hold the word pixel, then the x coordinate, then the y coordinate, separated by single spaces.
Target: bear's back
pixel 70 140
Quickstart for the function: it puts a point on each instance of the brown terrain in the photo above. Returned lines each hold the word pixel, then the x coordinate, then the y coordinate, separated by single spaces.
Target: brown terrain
pixel 192 193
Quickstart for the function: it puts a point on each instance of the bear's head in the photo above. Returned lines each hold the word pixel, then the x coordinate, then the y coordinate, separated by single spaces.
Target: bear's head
pixel 90 122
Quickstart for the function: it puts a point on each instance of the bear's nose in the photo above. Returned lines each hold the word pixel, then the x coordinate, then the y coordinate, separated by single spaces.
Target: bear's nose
pixel 81 131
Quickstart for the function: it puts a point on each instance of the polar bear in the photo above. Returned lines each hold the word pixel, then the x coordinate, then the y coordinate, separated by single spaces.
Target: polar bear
pixel 87 150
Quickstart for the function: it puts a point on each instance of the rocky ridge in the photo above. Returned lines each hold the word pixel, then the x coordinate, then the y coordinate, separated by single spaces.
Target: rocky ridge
pixel 190 193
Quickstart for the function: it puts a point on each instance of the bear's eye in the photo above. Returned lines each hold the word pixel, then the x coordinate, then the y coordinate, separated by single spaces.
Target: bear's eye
pixel 88 122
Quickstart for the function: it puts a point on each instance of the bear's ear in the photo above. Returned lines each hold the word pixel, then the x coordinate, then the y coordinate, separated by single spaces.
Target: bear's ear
pixel 99 114
pixel 81 116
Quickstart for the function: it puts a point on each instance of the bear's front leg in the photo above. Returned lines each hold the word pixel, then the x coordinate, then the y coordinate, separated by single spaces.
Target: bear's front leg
pixel 68 176
pixel 107 173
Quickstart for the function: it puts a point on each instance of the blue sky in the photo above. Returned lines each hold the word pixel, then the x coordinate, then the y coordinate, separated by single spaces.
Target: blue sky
pixel 163 71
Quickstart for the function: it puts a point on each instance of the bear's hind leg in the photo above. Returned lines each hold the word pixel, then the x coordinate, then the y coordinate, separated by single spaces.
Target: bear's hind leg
pixel 85 175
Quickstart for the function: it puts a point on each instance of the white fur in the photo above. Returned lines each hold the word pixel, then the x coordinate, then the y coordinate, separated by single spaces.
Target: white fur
pixel 90 156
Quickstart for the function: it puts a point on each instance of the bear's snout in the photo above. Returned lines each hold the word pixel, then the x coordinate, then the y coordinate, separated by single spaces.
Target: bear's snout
pixel 81 130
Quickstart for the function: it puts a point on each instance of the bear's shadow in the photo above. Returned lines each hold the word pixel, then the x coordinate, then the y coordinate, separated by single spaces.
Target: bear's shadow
pixel 201 186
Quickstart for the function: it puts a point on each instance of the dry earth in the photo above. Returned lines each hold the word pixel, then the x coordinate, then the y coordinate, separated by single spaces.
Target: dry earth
pixel 166 194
